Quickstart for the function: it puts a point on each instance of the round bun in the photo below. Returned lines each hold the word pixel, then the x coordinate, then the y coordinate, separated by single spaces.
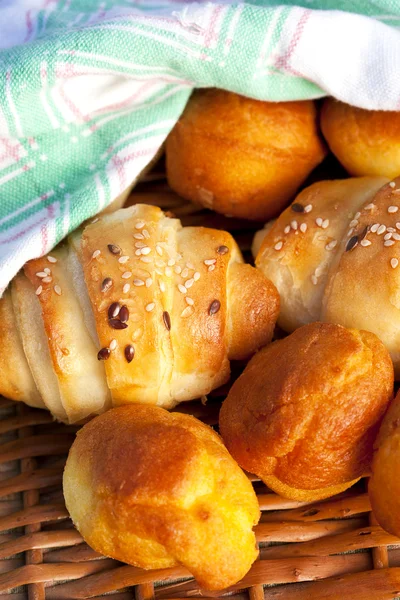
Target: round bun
pixel 304 414
pixel 242 157
pixel 384 484
pixel 366 142
pixel 155 489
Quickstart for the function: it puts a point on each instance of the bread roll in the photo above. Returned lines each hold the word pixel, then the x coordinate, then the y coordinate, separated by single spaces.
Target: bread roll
pixel 334 256
pixel 134 309
pixel 156 489
pixel 242 157
pixel 384 484
pixel 366 142
pixel 304 414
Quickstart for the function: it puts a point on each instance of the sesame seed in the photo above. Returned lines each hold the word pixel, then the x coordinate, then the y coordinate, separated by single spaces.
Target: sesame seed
pixel 117 324
pixel 126 275
pixel 159 250
pixel 389 243
pixel 394 262
pixel 364 233
pixel 113 310
pixel 106 284
pixel 331 245
pixel 138 236
pixel 191 267
pixel 114 249
pixel 357 215
pixel 140 245
pixel 287 229
pixel 149 282
pixel 387 236
pixel 396 191
pixel 126 288
pixel 314 279
pixel 47 279
pixel 210 261
pixel 159 263
pixel 296 207
pixel 365 243
pixel 113 344
pixel 146 250
pixel 381 229
pixel 96 253
pixel 103 354
pixel 308 208
pixel 162 286
pixel 124 314
pixel 318 271
pixel 392 184
pixel 150 306
pixel 196 276
pixel 167 320
pixel 278 246
pixel 146 234
pixel 171 262
pixel 391 229
pixel 220 250
pixel 350 231
pixel 182 288
pixel 319 221
pixel 51 259
pixel 189 300
pixel 325 224
pixel 398 225
pixel 185 272
pixel 214 307
pixel 138 252
pixel 47 270
pixel 396 236
pixel 303 227
pixel 369 206
pixel 178 269
pixel 211 268
pixel 146 259
pixel 138 282
pixel 129 353
pixel 140 225
pixel 57 290
pixel 353 223
pixel 41 274
pixel 168 271
pixel 123 259
pixel 187 311
pixel 374 227
pixel 94 220
pixel 293 225
pixel 189 283
pixel 39 290
pixel 352 243
pixel 393 209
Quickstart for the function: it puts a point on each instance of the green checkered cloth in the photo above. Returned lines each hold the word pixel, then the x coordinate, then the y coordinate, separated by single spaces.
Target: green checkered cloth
pixel 89 90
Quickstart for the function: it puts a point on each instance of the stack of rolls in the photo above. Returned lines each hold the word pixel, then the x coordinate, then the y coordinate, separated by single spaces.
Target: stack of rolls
pixel 135 313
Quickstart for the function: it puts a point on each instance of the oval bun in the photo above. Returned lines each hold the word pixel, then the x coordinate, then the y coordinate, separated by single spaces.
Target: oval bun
pixel 242 157
pixel 366 142
pixel 304 414
pixel 384 484
pixel 155 489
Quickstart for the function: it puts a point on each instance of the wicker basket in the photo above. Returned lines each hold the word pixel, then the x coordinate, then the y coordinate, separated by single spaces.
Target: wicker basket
pixel 330 549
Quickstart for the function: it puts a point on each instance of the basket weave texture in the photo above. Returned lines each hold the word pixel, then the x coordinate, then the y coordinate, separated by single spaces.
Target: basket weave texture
pixel 332 549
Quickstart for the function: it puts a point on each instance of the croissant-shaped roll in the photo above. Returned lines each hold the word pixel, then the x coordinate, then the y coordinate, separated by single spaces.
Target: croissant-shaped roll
pixel 334 256
pixel 134 309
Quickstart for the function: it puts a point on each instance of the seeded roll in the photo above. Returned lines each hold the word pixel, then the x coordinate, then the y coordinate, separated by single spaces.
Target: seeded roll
pixel 384 483
pixel 334 256
pixel 134 309
pixel 366 142
pixel 163 491
pixel 304 414
pixel 242 157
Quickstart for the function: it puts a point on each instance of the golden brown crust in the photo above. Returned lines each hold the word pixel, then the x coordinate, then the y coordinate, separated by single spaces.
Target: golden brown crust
pixel 155 489
pixel 305 412
pixel 384 484
pixel 242 157
pixel 16 381
pixel 366 142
